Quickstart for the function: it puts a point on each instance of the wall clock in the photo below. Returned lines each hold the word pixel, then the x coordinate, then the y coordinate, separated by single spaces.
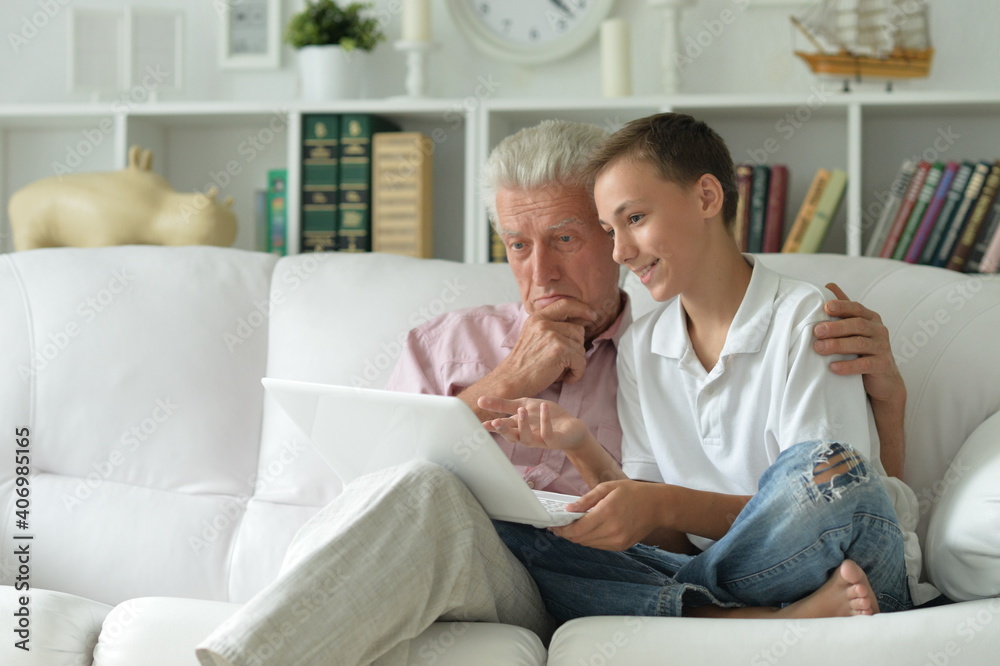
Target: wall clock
pixel 529 31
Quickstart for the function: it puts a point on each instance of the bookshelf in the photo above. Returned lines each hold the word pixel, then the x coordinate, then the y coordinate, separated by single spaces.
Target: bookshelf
pixel 867 134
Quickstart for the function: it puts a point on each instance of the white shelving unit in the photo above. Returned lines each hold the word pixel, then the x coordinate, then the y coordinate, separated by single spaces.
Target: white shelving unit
pixel 232 145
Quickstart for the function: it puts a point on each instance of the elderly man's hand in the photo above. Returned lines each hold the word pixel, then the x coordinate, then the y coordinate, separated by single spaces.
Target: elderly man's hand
pixel 860 331
pixel 550 348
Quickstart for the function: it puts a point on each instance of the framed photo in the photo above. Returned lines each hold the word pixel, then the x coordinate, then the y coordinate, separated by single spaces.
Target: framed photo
pixel 250 37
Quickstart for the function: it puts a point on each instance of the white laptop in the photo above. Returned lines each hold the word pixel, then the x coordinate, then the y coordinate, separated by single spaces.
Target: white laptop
pixel 358 431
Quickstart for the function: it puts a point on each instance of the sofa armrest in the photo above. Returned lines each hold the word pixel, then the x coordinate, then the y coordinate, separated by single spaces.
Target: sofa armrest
pixel 60 628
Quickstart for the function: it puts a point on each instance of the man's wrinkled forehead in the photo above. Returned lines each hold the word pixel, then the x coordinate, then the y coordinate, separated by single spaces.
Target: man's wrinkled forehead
pixel 568 223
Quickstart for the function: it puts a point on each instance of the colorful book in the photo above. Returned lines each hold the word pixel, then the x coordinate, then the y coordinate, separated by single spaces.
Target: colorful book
pixel 806 211
pixel 320 175
pixel 744 177
pixel 930 217
pixel 354 230
pixel 976 219
pixel 990 228
pixel 774 220
pixel 826 210
pixel 962 212
pixel 905 208
pixel 402 193
pixel 927 192
pixel 890 206
pixel 951 200
pixel 277 214
pixel 758 207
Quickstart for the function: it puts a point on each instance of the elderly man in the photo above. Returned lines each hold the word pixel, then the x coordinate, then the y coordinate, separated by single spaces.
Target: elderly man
pixel 402 548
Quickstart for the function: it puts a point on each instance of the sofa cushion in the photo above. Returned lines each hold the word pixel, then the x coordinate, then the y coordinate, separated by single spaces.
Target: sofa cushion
pixel 62 627
pixel 957 635
pixel 157 631
pixel 963 541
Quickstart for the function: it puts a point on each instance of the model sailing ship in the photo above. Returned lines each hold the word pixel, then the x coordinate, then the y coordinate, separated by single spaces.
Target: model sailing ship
pixel 883 39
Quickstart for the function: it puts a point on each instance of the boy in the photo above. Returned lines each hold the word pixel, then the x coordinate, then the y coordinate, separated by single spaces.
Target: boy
pixel 735 436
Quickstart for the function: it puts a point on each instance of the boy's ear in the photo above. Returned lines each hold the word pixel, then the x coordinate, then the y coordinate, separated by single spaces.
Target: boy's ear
pixel 711 194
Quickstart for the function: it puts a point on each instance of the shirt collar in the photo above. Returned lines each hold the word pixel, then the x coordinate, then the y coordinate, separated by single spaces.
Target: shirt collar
pixel 746 333
pixel 612 333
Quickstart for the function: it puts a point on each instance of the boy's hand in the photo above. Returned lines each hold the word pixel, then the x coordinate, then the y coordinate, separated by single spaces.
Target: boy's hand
pixel 620 514
pixel 538 423
pixel 860 331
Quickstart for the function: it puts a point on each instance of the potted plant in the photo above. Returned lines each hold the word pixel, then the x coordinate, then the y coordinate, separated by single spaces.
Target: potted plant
pixel 332 42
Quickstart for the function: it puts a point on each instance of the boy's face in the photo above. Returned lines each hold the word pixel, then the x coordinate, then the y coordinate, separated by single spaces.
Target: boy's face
pixel 660 228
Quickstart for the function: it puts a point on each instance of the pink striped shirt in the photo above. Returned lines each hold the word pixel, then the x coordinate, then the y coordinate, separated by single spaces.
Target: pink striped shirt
pixel 448 354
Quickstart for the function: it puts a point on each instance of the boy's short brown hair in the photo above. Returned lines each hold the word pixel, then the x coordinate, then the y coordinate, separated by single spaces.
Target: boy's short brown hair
pixel 680 147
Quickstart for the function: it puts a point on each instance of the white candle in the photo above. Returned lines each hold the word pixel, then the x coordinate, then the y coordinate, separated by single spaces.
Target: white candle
pixel 416 20
pixel 616 58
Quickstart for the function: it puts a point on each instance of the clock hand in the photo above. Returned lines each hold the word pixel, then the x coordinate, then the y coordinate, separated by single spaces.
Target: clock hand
pixel 561 4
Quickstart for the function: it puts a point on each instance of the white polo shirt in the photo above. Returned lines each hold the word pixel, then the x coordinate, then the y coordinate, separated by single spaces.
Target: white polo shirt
pixel 719 430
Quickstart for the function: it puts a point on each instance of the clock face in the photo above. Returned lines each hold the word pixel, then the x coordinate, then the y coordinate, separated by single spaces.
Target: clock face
pixel 529 31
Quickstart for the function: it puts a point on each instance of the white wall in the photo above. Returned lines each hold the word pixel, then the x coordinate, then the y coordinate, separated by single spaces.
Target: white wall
pixel 750 54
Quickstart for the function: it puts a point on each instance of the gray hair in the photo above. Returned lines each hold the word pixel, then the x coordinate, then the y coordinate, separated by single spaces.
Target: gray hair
pixel 551 152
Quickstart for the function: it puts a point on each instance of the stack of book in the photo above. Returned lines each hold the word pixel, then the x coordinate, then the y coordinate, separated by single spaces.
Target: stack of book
pixel 944 214
pixel 357 196
pixel 760 209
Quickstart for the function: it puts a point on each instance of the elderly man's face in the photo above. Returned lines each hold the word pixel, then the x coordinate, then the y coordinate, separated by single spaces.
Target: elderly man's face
pixel 557 250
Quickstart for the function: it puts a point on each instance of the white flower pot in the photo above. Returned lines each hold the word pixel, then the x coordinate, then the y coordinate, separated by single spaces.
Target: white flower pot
pixel 329 72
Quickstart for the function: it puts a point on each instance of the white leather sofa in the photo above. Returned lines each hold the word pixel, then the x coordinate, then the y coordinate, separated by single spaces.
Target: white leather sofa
pixel 164 486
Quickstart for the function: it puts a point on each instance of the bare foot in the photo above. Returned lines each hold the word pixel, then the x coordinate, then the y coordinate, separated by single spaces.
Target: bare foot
pixel 847 592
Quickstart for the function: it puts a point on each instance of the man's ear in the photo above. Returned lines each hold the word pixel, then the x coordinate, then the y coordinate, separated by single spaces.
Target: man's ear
pixel 711 195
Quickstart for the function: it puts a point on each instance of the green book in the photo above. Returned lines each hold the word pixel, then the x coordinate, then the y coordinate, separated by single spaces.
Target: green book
pixel 919 208
pixel 277 214
pixel 759 182
pixel 354 230
pixel 826 210
pixel 320 178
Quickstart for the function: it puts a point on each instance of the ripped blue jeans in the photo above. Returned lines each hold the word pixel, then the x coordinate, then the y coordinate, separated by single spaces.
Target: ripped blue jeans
pixel 817 505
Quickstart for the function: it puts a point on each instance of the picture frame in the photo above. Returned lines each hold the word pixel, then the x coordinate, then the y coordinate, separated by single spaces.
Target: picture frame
pixel 114 50
pixel 250 34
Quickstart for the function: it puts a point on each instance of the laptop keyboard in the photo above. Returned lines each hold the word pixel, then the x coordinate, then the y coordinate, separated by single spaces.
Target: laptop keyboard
pixel 553 505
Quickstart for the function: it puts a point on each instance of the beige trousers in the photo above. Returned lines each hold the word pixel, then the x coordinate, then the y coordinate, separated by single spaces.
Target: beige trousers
pixel 396 551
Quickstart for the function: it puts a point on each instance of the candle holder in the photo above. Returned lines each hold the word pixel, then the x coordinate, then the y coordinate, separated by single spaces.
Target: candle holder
pixel 416 65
